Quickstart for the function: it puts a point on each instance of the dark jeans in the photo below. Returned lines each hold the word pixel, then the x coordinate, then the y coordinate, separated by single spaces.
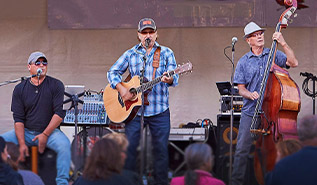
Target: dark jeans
pixel 160 128
pixel 242 150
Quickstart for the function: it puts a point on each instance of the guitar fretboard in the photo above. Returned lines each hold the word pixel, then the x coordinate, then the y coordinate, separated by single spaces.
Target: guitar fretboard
pixel 150 84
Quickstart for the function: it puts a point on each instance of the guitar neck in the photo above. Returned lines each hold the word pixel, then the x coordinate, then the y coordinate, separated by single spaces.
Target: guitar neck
pixel 150 84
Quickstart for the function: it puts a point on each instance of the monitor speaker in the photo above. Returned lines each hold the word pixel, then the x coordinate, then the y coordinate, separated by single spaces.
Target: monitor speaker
pixel 222 160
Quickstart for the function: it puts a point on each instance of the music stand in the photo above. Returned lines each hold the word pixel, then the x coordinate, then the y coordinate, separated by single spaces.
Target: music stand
pixel 72 94
pixel 224 88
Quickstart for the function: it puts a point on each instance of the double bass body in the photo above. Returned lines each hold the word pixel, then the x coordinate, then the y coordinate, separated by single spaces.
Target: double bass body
pixel 280 107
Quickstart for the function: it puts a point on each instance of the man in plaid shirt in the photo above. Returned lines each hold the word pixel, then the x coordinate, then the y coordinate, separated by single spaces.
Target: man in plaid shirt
pixel 156 114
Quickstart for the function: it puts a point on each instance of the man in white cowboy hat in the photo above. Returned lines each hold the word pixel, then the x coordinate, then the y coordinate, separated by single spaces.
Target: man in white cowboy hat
pixel 248 75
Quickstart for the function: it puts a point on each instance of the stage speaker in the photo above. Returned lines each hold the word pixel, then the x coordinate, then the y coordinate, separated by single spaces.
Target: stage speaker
pixel 222 160
pixel 223 134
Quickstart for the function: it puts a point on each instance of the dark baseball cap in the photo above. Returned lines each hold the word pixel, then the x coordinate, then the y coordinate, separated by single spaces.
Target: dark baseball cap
pixel 146 23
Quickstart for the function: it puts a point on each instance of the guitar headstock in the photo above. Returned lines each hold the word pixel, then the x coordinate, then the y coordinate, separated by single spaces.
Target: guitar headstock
pixel 184 68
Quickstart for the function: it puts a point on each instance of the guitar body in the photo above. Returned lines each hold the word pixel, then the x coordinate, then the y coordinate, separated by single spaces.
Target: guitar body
pixel 119 111
pixel 123 112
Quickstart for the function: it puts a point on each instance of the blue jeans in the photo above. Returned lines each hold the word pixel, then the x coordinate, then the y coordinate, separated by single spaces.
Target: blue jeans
pixel 160 128
pixel 243 148
pixel 57 142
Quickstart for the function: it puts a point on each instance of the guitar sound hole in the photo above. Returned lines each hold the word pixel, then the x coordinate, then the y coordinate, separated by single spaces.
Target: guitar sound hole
pixel 133 91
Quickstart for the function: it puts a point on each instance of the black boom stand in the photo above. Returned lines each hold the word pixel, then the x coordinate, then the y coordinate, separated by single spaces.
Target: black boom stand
pixel 75 100
pixel 231 110
pixel 143 139
pixel 309 77
pixel 17 80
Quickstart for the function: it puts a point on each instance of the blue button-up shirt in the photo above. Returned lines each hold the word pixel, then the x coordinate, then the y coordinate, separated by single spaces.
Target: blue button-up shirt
pixel 250 71
pixel 132 60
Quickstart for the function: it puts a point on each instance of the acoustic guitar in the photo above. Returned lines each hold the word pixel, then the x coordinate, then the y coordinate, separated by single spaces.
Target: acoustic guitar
pixel 120 111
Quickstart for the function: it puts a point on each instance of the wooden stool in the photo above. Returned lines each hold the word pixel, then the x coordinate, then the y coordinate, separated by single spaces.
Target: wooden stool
pixel 34 159
pixel 42 164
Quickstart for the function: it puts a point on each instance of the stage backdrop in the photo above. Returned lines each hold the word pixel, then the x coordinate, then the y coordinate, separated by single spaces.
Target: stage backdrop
pixel 83 56
pixel 96 14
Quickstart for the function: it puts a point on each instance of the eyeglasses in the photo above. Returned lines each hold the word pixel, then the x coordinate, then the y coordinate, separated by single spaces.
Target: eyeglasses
pixel 146 32
pixel 37 63
pixel 256 34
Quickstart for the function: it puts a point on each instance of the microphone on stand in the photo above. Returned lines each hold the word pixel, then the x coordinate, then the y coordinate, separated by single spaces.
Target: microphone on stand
pixel 39 72
pixel 234 40
pixel 147 43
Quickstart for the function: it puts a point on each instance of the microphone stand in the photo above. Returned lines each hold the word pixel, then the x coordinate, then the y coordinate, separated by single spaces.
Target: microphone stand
pixel 231 116
pixel 75 100
pixel 17 80
pixel 231 109
pixel 142 115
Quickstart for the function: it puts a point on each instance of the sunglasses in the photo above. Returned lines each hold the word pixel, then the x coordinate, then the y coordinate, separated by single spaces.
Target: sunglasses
pixel 37 63
pixel 256 34
pixel 146 32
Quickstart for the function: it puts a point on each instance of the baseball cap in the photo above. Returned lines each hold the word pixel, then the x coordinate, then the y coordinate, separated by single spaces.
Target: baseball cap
pixel 251 28
pixel 36 55
pixel 146 23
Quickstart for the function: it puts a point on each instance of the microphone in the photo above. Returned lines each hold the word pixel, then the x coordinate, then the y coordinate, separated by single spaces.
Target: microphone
pixel 147 43
pixel 234 40
pixel 39 72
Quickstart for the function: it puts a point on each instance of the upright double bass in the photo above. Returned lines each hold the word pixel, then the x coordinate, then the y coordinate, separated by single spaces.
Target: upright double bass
pixel 277 107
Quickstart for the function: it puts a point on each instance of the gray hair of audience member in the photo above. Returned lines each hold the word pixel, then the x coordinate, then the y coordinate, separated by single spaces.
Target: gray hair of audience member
pixel 197 155
pixel 307 128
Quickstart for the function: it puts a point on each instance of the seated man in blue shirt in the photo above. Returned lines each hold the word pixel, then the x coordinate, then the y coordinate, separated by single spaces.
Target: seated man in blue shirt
pixel 37 106
pixel 156 114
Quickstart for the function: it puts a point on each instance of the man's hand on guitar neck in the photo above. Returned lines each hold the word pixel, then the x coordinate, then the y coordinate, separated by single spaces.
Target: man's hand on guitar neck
pixel 125 93
pixel 167 79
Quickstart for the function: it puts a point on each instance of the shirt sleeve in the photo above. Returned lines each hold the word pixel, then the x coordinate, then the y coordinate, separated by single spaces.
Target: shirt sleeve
pixel 280 59
pixel 239 73
pixel 171 65
pixel 114 74
pixel 58 99
pixel 17 106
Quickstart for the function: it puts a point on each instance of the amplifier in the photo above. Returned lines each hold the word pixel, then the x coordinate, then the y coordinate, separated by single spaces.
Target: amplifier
pixel 225 104
pixel 187 134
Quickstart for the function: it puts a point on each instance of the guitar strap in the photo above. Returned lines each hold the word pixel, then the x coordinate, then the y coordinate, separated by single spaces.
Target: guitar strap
pixel 156 64
pixel 156 61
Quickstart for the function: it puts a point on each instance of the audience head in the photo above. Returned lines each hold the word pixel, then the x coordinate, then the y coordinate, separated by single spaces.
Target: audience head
pixel 13 155
pixel 121 139
pixel 198 156
pixel 103 160
pixel 307 130
pixel 287 147
pixel 3 150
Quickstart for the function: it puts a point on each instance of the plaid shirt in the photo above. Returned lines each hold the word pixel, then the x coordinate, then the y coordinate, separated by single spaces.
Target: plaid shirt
pixel 132 60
